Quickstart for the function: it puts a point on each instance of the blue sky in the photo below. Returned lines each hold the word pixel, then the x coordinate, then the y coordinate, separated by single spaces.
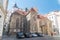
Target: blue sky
pixel 43 6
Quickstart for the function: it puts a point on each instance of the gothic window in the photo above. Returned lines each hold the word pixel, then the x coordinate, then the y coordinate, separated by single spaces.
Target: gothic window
pixel 17 22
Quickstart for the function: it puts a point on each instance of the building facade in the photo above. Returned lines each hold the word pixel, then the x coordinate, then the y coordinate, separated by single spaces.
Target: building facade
pixel 1 23
pixel 18 22
pixel 31 20
pixel 44 25
pixel 54 17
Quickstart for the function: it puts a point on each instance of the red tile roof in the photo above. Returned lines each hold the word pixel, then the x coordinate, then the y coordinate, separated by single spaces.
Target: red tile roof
pixel 21 12
pixel 26 13
pixel 40 16
pixel 33 9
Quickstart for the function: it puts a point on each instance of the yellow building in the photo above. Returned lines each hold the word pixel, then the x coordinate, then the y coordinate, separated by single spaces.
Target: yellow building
pixel 44 25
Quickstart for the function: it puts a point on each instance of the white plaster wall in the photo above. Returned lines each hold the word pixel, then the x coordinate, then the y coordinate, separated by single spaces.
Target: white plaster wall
pixel 58 20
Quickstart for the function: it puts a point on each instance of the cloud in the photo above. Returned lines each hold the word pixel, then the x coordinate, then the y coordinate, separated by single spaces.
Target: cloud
pixel 59 2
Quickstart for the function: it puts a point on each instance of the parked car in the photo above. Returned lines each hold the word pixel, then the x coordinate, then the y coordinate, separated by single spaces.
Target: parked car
pixel 40 34
pixel 28 35
pixel 20 35
pixel 34 35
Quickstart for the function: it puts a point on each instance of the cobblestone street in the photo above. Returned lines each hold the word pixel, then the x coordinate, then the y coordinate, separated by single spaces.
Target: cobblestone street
pixel 33 38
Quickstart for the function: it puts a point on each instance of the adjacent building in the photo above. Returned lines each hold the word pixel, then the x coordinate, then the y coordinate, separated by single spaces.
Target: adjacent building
pixel 1 23
pixel 31 19
pixel 54 17
pixel 44 25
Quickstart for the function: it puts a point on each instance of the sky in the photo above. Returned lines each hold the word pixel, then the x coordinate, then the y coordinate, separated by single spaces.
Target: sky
pixel 43 6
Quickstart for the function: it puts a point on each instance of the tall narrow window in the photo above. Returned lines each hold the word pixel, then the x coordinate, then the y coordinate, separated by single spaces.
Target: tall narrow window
pixel 17 24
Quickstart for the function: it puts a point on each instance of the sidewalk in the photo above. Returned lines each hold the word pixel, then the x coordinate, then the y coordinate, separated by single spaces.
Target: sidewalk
pixel 5 37
pixel 56 36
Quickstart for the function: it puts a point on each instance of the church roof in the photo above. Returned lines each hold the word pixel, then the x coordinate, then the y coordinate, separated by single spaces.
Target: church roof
pixel 21 12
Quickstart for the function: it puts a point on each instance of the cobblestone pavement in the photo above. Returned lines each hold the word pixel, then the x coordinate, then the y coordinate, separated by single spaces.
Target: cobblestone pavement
pixel 34 38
